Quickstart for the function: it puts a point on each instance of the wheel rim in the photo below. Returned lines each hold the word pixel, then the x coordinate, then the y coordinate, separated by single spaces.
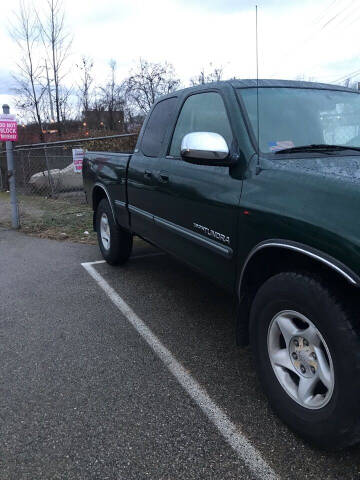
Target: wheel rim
pixel 301 359
pixel 105 231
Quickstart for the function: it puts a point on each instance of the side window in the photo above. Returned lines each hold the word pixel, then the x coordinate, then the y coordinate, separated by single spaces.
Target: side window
pixel 202 112
pixel 156 127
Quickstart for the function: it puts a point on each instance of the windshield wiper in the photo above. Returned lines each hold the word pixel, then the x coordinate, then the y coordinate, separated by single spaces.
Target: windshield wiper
pixel 317 147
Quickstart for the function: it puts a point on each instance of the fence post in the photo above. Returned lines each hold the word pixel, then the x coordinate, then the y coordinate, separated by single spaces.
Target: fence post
pixel 1 177
pixel 11 174
pixel 23 167
pixel 50 179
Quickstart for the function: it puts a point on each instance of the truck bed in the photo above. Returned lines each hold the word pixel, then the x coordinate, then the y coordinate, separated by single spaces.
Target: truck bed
pixel 109 170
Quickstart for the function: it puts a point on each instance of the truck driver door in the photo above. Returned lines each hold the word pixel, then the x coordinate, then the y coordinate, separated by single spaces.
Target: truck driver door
pixel 197 205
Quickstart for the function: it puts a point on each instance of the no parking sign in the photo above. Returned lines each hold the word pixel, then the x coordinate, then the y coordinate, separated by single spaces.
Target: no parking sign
pixel 78 156
pixel 8 128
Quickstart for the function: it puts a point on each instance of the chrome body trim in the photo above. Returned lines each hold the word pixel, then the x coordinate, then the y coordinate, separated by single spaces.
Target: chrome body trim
pixel 120 204
pixel 308 251
pixel 226 252
pixel 97 184
pixel 215 247
pixel 139 211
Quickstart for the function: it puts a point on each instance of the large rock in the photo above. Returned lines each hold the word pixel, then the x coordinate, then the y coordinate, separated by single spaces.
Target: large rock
pixel 63 180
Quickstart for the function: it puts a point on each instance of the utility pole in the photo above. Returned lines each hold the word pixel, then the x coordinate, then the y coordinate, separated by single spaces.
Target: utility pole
pixel 49 93
pixel 11 174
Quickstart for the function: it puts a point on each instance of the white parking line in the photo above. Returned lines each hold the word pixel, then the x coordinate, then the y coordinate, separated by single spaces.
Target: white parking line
pixel 231 433
pixel 135 257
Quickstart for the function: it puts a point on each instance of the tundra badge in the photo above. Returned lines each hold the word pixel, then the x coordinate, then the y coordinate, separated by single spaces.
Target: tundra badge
pixel 212 233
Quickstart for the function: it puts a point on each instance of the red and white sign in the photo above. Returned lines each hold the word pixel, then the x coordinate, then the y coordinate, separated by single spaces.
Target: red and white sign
pixel 8 128
pixel 78 155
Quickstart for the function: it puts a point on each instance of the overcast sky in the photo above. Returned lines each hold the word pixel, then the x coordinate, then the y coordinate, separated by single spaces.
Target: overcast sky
pixel 314 38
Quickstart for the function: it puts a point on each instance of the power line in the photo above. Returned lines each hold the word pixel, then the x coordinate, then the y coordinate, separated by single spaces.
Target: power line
pixel 311 35
pixel 350 13
pixel 335 16
pixel 354 20
pixel 325 25
pixel 346 26
pixel 348 75
pixel 317 20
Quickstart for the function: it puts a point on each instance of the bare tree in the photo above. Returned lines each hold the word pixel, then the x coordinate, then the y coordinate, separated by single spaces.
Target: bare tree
pixel 86 80
pixel 66 105
pixel 25 32
pixel 48 86
pixel 111 98
pixel 214 75
pixel 149 81
pixel 57 43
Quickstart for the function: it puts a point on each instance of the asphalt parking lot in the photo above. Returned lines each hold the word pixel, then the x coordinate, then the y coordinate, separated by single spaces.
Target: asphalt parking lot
pixel 85 396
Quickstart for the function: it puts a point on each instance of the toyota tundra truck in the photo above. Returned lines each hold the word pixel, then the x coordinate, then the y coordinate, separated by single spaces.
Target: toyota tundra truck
pixel 256 184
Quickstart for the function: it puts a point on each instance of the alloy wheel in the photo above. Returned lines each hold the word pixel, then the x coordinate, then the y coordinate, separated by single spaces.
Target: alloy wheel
pixel 105 231
pixel 300 359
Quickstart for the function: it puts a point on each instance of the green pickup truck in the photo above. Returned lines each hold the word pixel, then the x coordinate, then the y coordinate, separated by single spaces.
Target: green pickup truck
pixel 256 184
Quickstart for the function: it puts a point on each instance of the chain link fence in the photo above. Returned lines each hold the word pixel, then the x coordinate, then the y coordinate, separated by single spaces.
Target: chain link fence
pixel 47 169
pixel 51 202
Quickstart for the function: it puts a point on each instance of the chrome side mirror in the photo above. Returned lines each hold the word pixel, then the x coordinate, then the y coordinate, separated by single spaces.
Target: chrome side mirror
pixel 207 146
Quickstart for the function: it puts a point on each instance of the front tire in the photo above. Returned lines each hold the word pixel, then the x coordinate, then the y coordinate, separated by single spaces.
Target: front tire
pixel 307 355
pixel 115 243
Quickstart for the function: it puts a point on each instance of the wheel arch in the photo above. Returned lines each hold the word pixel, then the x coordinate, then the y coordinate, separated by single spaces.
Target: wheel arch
pixel 275 256
pixel 99 192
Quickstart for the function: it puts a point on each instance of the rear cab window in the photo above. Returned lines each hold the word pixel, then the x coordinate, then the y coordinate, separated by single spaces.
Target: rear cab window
pixel 160 118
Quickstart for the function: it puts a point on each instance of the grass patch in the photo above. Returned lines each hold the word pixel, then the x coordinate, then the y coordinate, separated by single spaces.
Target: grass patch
pixel 60 219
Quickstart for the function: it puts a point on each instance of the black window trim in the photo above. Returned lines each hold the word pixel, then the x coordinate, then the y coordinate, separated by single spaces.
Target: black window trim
pixel 247 122
pixel 198 92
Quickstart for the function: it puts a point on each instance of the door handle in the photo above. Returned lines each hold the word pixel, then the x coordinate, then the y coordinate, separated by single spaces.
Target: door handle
pixel 147 174
pixel 164 177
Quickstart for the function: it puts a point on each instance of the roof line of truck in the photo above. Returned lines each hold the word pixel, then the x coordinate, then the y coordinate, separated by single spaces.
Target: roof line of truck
pixel 253 83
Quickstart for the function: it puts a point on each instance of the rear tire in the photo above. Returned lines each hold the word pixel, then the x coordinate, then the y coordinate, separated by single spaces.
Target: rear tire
pixel 115 243
pixel 315 336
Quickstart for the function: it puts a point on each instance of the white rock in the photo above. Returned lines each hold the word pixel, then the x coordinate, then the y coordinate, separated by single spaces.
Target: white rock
pixel 62 180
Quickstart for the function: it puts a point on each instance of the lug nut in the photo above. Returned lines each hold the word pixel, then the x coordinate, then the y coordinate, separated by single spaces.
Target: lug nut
pixel 312 369
pixel 294 355
pixel 302 368
pixel 305 343
pixel 313 355
pixel 296 342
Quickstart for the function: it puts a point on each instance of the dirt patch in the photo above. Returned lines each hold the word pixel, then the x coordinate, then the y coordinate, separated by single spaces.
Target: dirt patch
pixel 68 218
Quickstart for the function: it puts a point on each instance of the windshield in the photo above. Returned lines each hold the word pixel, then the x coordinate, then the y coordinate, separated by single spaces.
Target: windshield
pixel 293 117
